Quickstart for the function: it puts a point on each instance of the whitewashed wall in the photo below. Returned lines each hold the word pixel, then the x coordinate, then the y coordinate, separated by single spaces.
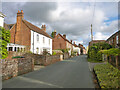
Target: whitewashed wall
pixel 39 44
pixel 1 21
pixel 76 49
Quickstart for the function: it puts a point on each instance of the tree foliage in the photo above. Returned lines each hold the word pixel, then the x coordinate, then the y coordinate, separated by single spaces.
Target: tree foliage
pixel 4 39
pixel 112 51
pixel 53 34
pixel 93 52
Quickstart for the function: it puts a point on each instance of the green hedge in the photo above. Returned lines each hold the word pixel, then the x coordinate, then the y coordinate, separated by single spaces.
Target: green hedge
pixel 108 76
pixel 93 52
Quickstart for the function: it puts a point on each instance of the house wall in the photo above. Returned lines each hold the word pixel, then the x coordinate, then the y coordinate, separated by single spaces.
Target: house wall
pixel 76 49
pixel 113 39
pixel 1 21
pixel 39 44
pixel 21 37
pixel 59 43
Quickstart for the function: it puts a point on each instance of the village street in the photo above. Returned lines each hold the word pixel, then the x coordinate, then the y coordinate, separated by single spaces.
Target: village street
pixel 71 73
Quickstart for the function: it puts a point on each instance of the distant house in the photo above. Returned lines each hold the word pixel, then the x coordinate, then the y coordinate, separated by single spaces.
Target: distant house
pixel 95 41
pixel 2 19
pixel 26 36
pixel 82 49
pixel 60 42
pixel 76 48
pixel 114 40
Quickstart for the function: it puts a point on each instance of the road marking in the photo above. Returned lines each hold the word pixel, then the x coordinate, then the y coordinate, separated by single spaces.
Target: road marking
pixel 37 81
pixel 89 66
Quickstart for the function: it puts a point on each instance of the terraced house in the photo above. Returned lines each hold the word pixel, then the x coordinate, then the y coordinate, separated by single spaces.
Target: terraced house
pixel 114 40
pixel 26 36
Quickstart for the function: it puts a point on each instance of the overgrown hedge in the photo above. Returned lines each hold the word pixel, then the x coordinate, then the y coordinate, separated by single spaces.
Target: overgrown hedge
pixel 93 52
pixel 108 76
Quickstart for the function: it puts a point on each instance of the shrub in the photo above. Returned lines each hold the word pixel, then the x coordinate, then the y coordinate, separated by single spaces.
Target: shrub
pixel 93 52
pixel 54 53
pixel 17 57
pixel 108 76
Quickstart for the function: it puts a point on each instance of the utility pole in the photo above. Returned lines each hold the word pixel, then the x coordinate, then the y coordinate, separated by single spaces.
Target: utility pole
pixel 91 33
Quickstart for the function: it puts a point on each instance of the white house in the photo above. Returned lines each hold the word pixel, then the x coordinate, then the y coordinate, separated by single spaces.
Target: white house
pixel 1 19
pixel 76 48
pixel 26 36
pixel 40 43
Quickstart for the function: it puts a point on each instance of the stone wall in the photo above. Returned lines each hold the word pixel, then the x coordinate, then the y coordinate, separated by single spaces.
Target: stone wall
pixel 65 56
pixel 44 60
pixel 52 59
pixel 15 67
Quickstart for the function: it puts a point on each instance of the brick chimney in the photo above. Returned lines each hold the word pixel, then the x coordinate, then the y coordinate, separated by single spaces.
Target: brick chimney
pixel 64 35
pixel 74 42
pixel 71 41
pixel 43 28
pixel 20 17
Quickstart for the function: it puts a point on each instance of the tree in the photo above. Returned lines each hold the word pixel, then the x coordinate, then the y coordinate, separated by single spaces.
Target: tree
pixel 4 39
pixel 53 34
pixel 93 52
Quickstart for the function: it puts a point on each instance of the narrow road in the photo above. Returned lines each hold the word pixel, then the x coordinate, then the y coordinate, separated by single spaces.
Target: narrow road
pixel 71 73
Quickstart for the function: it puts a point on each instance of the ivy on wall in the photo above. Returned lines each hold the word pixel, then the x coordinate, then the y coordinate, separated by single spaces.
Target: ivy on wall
pixel 4 39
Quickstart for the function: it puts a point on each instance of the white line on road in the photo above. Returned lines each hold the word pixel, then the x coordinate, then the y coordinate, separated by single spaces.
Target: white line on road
pixel 37 81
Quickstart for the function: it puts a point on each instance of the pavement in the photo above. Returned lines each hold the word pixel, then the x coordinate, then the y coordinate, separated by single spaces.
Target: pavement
pixel 70 73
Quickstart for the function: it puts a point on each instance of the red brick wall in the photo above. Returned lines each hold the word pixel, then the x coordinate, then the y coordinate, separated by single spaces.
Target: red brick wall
pixel 20 33
pixel 58 43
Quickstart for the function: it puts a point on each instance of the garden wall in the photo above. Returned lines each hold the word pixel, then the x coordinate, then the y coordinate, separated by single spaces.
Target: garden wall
pixel 44 60
pixel 65 55
pixel 15 67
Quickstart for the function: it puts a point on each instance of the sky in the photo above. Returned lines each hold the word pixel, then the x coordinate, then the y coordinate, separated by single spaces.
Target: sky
pixel 71 18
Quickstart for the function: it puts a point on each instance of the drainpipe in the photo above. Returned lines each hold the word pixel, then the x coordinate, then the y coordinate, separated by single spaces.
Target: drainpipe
pixel 33 41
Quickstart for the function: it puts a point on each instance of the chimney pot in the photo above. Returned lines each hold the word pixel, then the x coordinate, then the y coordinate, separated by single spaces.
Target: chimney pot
pixel 44 27
pixel 18 11
pixel 21 11
pixel 64 35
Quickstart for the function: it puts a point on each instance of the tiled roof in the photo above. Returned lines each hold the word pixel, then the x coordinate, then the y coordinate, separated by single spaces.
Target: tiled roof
pixel 64 38
pixel 8 26
pixel 36 29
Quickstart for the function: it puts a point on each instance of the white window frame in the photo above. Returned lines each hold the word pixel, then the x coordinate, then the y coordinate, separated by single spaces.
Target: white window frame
pixel 37 37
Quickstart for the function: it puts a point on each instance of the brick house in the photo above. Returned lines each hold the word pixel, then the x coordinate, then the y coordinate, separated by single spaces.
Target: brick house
pixel 25 35
pixel 95 41
pixel 114 40
pixel 60 42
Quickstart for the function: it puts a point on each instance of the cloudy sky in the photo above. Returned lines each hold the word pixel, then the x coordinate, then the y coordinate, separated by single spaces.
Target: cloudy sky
pixel 71 18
